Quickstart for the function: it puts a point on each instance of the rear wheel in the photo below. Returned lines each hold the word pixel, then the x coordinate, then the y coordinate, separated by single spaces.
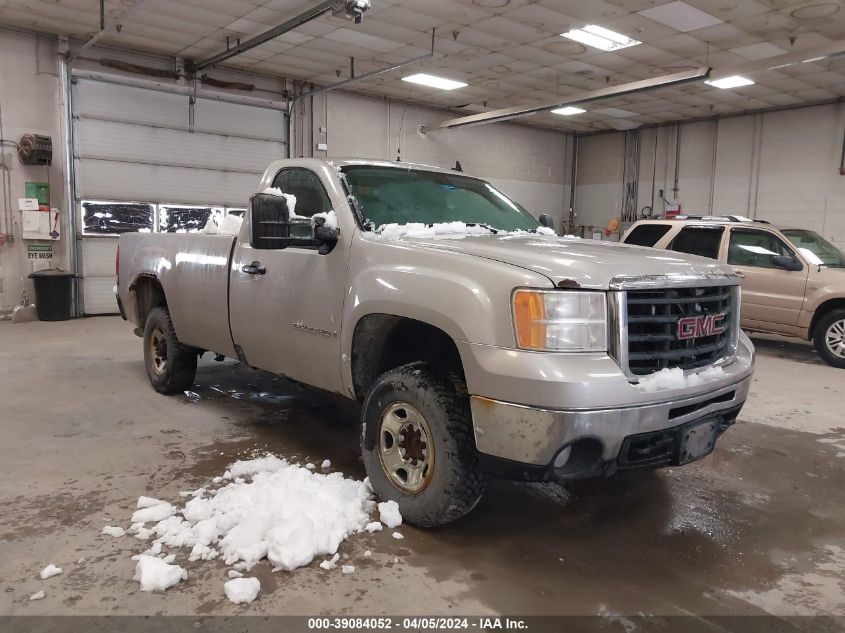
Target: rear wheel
pixel 418 445
pixel 171 366
pixel 829 338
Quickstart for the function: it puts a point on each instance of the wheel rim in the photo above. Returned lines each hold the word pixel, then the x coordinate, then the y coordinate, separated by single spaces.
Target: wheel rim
pixel 406 450
pixel 835 338
pixel 158 351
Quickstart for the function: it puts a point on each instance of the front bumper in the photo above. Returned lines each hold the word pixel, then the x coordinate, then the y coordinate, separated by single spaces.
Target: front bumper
pixel 526 441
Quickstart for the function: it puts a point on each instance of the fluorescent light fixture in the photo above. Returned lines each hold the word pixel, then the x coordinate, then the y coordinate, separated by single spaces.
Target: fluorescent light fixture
pixel 433 81
pixel 601 38
pixel 568 110
pixel 734 81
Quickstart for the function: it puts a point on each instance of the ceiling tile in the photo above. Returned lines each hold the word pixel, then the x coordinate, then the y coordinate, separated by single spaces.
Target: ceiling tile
pixel 681 16
pixel 682 45
pixel 762 50
pixel 613 112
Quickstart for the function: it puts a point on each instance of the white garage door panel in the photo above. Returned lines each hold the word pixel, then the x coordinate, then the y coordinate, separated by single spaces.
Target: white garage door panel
pixel 233 118
pixel 98 296
pixel 140 143
pixel 98 275
pixel 107 180
pixel 133 145
pixel 109 101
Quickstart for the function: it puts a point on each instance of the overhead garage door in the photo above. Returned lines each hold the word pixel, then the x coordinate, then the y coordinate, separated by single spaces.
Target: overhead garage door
pixel 139 146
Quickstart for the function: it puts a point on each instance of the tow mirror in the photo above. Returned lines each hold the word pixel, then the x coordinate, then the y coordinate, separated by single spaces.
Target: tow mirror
pixel 269 221
pixel 786 262
pixel 271 226
pixel 547 221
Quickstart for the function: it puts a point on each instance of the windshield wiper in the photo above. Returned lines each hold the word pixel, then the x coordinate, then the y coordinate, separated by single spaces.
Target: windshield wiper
pixel 493 230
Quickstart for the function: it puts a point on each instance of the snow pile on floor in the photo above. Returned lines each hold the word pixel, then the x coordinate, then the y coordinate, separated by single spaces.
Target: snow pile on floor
pixel 155 512
pixel 389 514
pixel 154 574
pixel 111 530
pixel 49 571
pixel 675 378
pixel 242 590
pixel 446 230
pixel 228 225
pixel 38 595
pixel 266 508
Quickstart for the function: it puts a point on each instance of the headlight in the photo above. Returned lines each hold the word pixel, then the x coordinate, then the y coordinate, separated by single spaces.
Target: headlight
pixel 560 320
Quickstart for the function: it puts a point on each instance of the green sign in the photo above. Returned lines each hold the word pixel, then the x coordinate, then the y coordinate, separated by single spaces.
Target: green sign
pixel 40 190
pixel 39 251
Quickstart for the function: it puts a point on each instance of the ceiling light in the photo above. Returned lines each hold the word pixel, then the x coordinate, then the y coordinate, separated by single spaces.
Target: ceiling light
pixel 734 81
pixel 433 81
pixel 601 38
pixel 568 110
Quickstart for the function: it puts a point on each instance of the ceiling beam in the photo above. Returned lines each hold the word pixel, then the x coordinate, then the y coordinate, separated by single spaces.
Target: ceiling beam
pixel 276 31
pixel 817 53
pixel 506 114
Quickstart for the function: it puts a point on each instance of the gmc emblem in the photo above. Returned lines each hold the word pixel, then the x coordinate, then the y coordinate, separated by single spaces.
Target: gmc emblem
pixel 698 326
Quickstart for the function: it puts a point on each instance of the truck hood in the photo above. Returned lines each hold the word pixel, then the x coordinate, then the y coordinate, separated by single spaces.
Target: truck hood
pixel 574 262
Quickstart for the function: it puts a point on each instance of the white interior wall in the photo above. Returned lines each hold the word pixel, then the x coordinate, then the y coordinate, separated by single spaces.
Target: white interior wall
pixel 782 166
pixel 31 101
pixel 529 164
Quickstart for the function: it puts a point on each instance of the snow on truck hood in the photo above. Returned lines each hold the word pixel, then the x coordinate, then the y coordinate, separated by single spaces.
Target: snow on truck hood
pixel 564 260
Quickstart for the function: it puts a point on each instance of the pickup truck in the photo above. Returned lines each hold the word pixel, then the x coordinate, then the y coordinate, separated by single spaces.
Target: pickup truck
pixel 478 342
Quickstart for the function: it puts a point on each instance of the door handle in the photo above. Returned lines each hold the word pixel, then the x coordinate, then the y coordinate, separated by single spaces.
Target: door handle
pixel 253 268
pixel 740 274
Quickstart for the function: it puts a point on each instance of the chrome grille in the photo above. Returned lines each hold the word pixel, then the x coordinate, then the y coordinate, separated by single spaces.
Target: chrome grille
pixel 650 340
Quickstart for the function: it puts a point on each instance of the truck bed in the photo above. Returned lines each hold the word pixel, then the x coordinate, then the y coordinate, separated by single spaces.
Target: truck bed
pixel 194 272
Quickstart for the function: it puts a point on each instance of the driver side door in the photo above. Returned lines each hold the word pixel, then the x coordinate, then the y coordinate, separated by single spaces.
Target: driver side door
pixel 287 318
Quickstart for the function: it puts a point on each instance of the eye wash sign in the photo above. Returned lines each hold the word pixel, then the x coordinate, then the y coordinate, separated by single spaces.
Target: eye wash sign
pixel 39 251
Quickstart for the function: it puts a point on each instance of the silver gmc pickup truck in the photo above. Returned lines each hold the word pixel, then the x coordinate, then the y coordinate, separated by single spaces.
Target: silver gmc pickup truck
pixel 478 342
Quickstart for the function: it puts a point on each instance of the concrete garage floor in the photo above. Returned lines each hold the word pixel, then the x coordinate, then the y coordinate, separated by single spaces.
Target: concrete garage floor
pixel 758 526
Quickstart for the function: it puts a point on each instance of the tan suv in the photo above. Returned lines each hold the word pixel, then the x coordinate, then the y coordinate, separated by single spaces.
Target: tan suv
pixel 793 280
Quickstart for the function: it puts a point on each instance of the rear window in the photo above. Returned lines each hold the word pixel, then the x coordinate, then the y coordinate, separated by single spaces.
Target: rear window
pixel 647 234
pixel 698 240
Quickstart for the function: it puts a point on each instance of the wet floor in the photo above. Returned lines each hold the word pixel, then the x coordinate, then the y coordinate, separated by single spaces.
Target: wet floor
pixel 757 527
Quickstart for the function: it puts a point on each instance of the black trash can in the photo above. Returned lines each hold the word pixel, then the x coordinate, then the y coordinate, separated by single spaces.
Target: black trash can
pixel 53 294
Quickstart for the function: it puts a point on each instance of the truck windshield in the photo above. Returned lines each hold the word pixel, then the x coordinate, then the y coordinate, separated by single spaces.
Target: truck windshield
pixel 389 195
pixel 817 250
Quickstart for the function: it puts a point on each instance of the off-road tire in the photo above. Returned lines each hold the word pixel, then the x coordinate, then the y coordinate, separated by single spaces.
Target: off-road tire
pixel 820 338
pixel 181 366
pixel 457 482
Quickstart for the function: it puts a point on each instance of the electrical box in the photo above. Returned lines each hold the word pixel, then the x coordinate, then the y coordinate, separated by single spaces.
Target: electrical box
pixel 37 224
pixel 35 149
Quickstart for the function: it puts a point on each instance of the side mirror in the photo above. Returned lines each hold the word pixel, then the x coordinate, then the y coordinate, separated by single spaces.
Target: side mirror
pixel 786 262
pixel 269 221
pixel 547 221
pixel 272 227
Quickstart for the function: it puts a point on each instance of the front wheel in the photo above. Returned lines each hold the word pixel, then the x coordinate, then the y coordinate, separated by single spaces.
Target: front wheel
pixel 171 366
pixel 829 338
pixel 418 445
